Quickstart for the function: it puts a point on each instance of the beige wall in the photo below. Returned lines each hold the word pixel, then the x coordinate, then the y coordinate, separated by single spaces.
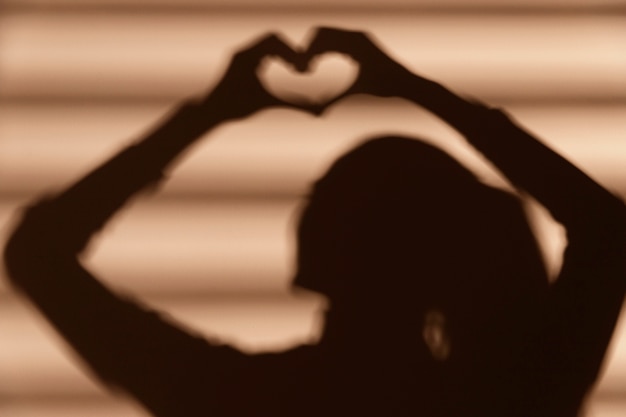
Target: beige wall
pixel 80 79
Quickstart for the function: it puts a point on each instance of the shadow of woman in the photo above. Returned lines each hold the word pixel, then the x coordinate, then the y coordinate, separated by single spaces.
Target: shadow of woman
pixel 440 305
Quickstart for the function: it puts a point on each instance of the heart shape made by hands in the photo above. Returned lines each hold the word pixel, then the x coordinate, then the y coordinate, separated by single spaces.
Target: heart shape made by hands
pixel 325 78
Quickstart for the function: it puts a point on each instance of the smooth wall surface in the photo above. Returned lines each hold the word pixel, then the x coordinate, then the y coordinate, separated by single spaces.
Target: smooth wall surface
pixel 82 79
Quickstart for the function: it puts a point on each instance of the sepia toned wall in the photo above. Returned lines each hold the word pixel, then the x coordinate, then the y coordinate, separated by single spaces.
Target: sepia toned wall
pixel 80 79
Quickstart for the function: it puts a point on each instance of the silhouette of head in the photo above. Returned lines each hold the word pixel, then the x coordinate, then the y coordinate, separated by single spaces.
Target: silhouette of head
pixel 399 224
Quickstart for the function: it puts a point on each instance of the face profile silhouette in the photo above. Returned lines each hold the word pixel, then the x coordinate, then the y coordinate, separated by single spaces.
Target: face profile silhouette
pixel 399 232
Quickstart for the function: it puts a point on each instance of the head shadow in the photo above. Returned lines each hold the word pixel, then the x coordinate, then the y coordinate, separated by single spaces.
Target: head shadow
pixel 397 229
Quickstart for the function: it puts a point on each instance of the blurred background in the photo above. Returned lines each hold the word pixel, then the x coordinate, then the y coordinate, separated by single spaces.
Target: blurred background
pixel 81 79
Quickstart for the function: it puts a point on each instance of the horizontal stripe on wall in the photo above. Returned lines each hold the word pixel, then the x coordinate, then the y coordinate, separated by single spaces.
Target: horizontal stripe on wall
pixel 129 55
